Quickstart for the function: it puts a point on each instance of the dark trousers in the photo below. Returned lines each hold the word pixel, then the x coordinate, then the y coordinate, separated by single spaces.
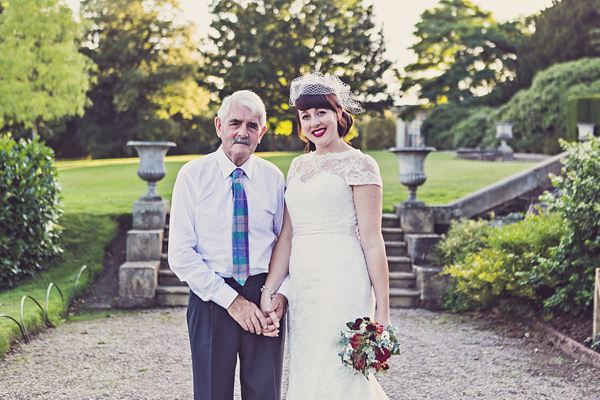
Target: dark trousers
pixel 216 340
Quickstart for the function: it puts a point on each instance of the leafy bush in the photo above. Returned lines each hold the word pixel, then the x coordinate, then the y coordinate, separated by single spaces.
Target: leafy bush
pixel 29 208
pixel 436 128
pixel 464 236
pixel 379 133
pixel 539 113
pixel 506 263
pixel 574 260
pixel 478 130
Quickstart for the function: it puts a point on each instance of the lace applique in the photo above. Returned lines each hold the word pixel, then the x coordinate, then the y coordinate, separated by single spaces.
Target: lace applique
pixel 352 165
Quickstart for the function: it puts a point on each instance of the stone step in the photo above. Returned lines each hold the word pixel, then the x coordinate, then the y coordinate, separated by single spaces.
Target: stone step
pixel 389 220
pixel 392 234
pixel 404 298
pixel 166 277
pixel 399 264
pixel 395 248
pixel 401 280
pixel 164 261
pixel 171 296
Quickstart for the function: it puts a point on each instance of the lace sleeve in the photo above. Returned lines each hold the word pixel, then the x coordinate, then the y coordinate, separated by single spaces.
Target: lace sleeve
pixel 364 171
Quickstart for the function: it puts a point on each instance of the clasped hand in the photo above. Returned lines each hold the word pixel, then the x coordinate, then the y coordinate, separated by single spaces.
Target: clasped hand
pixel 263 321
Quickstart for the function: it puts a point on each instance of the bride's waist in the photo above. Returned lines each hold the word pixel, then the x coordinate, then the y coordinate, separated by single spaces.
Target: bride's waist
pixel 324 229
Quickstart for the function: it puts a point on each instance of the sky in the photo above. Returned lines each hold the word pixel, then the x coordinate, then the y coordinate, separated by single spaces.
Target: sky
pixel 398 18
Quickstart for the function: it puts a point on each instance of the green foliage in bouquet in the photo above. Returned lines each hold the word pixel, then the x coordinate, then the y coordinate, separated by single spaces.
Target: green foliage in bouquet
pixel 29 209
pixel 500 263
pixel 574 260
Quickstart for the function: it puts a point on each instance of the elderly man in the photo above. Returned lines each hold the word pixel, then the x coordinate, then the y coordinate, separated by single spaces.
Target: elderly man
pixel 226 214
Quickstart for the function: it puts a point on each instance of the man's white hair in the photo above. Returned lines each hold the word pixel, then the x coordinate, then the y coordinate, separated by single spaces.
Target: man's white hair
pixel 245 98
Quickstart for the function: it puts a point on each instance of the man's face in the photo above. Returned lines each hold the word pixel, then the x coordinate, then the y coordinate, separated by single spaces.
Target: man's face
pixel 240 133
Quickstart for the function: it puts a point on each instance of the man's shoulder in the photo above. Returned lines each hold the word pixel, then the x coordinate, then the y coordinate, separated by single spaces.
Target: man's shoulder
pixel 201 162
pixel 267 167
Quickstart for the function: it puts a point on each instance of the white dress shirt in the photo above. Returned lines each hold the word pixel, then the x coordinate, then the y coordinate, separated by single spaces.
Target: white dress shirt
pixel 200 236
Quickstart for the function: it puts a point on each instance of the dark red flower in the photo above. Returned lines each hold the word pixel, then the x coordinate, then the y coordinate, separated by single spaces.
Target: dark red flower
pixel 359 363
pixel 355 341
pixel 367 319
pixel 357 323
pixel 371 328
pixel 382 354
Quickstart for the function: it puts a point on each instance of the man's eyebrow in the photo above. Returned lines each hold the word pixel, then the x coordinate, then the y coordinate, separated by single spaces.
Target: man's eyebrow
pixel 235 121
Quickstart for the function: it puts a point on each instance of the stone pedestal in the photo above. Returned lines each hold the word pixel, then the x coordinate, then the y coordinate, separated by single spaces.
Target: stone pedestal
pixel 421 248
pixel 138 277
pixel 432 285
pixel 144 245
pixel 148 215
pixel 137 283
pixel 415 217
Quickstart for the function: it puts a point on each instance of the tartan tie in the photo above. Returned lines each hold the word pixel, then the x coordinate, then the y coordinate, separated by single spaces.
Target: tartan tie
pixel 241 268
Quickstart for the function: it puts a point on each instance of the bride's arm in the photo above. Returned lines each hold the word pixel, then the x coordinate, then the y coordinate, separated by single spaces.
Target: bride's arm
pixel 280 261
pixel 368 200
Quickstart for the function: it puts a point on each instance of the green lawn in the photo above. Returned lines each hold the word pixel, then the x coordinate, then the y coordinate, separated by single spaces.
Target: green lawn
pixel 111 186
pixel 96 192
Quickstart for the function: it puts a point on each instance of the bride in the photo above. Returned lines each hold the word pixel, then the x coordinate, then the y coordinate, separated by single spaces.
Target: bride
pixel 330 244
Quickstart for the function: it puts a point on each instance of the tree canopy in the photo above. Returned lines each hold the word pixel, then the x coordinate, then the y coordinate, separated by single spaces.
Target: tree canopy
pixel 44 77
pixel 462 52
pixel 146 78
pixel 262 45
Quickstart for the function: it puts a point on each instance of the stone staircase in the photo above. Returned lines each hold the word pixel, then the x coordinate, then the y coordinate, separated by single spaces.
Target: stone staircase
pixel 403 293
pixel 403 281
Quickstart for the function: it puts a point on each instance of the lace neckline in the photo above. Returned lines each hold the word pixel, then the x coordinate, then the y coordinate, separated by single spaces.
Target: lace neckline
pixel 330 155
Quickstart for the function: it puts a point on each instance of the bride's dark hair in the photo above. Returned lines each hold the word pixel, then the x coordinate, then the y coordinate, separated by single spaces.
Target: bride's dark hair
pixel 328 101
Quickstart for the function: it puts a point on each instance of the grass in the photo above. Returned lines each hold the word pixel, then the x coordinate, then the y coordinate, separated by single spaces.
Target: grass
pixel 96 193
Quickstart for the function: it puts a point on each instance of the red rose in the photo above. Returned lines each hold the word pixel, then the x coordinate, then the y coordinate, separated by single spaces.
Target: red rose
pixel 357 323
pixel 382 354
pixel 379 329
pixel 371 328
pixel 355 341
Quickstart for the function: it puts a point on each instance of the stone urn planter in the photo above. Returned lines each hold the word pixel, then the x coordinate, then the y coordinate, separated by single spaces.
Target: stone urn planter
pixel 504 133
pixel 152 165
pixel 585 131
pixel 411 161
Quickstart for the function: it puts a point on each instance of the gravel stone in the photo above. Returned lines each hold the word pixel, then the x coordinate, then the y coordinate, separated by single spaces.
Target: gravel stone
pixel 145 355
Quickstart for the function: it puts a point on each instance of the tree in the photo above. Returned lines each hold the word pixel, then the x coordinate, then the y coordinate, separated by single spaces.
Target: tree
pixel 462 53
pixel 262 45
pixel 44 77
pixel 146 78
pixel 567 31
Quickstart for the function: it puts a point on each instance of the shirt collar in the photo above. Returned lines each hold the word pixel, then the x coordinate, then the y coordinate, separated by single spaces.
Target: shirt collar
pixel 227 166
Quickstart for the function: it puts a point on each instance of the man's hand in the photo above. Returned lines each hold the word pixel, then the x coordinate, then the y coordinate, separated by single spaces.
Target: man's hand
pixel 248 315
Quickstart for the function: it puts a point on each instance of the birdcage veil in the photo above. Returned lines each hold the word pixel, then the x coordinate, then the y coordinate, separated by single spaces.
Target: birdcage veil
pixel 316 83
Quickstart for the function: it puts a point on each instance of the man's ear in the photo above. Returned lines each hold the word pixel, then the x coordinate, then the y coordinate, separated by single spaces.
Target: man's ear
pixel 262 133
pixel 218 126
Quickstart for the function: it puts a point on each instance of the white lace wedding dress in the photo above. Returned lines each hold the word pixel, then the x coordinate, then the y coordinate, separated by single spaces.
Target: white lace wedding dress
pixel 329 283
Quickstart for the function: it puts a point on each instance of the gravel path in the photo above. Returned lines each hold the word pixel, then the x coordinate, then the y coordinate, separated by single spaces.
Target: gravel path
pixel 145 355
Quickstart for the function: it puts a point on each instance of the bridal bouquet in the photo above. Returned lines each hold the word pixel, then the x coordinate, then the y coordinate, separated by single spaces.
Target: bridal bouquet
pixel 367 345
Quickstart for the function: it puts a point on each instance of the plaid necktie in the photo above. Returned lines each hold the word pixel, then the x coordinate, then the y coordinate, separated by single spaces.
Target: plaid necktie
pixel 241 268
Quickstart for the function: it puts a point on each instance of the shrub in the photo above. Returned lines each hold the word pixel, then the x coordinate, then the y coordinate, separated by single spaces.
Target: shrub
pixel 539 113
pixel 507 263
pixel 478 130
pixel 436 128
pixel 29 208
pixel 574 260
pixel 379 133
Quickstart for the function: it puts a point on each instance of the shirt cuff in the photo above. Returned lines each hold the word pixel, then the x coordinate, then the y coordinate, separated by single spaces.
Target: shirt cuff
pixel 225 296
pixel 284 287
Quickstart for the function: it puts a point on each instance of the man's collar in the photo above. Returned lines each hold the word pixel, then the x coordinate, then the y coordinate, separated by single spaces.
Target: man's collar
pixel 227 166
